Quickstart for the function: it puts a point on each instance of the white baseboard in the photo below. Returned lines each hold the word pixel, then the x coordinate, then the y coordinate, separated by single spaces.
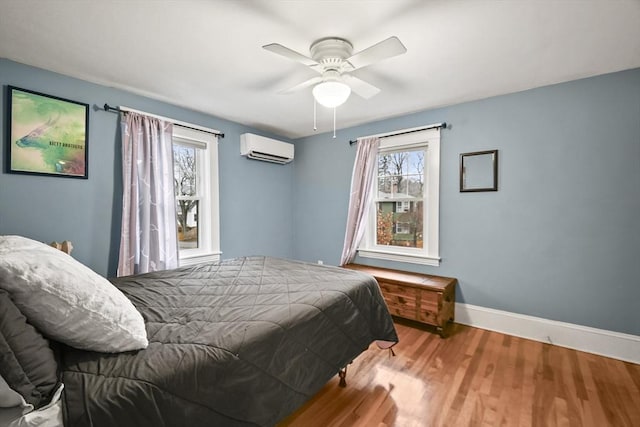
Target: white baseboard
pixel 598 341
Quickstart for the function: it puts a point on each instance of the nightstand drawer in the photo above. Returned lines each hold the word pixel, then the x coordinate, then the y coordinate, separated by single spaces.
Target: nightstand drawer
pixel 422 297
pixel 398 290
pixel 430 298
pixel 399 296
pixel 428 315
pixel 404 312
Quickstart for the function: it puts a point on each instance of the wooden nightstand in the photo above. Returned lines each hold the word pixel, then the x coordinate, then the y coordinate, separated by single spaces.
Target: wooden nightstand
pixel 420 297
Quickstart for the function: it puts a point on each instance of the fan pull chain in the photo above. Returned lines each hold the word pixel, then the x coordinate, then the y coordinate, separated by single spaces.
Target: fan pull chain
pixel 315 127
pixel 334 122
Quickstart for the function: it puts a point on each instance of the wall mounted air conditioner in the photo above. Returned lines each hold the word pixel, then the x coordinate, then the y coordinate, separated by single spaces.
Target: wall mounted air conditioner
pixel 266 149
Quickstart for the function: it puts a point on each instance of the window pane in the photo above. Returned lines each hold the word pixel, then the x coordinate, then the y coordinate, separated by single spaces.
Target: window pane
pixel 400 224
pixel 387 187
pixel 184 170
pixel 187 211
pixel 401 174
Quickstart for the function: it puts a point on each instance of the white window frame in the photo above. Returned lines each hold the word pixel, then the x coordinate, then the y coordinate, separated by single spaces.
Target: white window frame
pixel 209 205
pixel 429 254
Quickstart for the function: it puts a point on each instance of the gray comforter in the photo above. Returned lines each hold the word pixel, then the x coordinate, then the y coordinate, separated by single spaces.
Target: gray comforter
pixel 242 342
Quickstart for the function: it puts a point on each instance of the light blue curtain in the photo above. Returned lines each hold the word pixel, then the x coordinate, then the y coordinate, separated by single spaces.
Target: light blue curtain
pixel 149 240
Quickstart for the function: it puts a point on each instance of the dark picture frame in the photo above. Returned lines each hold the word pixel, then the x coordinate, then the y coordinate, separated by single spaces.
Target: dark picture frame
pixel 479 171
pixel 47 135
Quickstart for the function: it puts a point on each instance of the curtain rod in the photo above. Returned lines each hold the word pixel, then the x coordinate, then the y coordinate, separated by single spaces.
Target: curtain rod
pixel 402 132
pixel 121 109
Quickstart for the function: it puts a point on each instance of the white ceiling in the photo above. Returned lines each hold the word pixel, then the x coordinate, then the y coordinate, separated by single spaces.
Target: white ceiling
pixel 207 54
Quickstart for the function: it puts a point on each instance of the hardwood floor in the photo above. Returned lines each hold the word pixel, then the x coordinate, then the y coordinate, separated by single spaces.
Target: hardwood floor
pixel 476 378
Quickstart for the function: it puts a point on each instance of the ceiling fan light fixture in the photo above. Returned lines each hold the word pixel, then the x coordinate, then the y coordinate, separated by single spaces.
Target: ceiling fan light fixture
pixel 331 94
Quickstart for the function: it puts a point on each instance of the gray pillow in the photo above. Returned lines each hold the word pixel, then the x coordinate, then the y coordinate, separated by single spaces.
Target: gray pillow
pixel 27 363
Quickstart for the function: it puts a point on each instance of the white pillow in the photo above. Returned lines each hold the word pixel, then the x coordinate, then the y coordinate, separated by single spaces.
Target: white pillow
pixel 66 300
pixel 49 415
pixel 10 398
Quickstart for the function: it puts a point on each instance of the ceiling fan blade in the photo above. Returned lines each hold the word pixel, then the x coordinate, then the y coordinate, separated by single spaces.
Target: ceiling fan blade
pixel 290 54
pixel 302 85
pixel 385 49
pixel 360 87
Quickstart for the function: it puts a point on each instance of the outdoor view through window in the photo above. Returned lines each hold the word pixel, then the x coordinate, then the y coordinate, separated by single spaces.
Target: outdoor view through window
pixel 399 202
pixel 185 174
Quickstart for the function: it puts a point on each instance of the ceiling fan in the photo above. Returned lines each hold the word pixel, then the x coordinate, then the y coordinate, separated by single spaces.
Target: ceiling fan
pixel 334 60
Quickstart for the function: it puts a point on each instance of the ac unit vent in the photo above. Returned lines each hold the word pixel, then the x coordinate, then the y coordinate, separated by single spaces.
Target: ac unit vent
pixel 258 147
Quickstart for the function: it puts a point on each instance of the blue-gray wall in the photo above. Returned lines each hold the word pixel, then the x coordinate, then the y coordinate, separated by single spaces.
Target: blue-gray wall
pixel 255 197
pixel 559 240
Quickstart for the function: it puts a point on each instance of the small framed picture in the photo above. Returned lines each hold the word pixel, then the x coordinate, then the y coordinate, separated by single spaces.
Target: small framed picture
pixel 479 171
pixel 47 135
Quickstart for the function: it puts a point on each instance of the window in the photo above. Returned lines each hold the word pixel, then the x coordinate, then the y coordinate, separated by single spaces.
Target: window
pixel 195 172
pixel 403 220
pixel 403 228
pixel 402 206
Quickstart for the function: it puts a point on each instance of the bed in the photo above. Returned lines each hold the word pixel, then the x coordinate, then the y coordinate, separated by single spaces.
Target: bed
pixel 242 342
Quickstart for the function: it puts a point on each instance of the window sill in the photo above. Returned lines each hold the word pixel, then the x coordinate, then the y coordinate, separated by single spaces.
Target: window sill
pixel 393 256
pixel 199 258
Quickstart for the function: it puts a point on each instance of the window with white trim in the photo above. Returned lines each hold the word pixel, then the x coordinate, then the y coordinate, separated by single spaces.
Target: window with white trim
pixel 404 228
pixel 195 172
pixel 402 206
pixel 404 214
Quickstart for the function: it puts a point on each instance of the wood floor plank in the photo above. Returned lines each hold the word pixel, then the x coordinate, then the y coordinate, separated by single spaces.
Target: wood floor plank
pixel 476 378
